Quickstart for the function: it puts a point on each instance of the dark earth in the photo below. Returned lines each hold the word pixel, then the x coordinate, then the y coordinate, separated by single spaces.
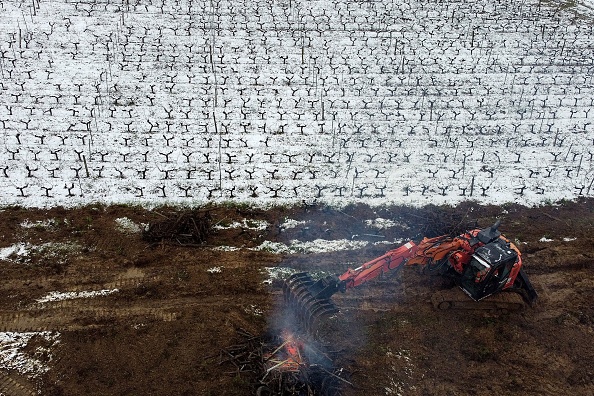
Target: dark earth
pixel 164 331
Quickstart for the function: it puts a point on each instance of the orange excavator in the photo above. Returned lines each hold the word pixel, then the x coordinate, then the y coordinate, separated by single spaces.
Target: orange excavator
pixel 482 262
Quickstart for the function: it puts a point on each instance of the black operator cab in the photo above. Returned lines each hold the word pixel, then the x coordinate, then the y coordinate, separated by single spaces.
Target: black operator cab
pixel 488 270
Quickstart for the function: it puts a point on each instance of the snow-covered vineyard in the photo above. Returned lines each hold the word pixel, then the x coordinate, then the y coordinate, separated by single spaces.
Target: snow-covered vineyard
pixel 160 101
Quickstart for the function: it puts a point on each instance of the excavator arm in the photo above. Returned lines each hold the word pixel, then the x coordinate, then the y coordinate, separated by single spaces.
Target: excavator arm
pixel 427 251
pixel 324 288
pixel 390 261
pixel 311 299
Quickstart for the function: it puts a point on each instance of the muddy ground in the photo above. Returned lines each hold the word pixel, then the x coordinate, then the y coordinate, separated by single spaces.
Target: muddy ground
pixel 177 307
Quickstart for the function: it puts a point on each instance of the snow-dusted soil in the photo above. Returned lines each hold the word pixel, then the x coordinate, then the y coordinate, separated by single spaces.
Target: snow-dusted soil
pixel 157 102
pixel 109 313
pixel 12 356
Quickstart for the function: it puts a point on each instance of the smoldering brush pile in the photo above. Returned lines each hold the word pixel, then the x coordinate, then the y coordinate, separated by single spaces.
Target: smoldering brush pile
pixel 284 364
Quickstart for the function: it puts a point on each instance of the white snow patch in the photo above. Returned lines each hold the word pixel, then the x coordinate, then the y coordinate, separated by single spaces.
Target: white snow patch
pixel 55 250
pixel 12 356
pixel 324 245
pixel 277 273
pixel 380 224
pixel 19 252
pixel 291 223
pixel 60 296
pixel 395 242
pixel 254 225
pixel 48 223
pixel 545 239
pixel 282 273
pixel 225 248
pixel 14 252
pixel 586 7
pixel 273 247
pixel 316 246
pixel 569 239
pixel 215 270
pixel 126 225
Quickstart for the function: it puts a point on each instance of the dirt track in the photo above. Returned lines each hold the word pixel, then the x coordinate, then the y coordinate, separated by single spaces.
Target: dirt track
pixel 162 332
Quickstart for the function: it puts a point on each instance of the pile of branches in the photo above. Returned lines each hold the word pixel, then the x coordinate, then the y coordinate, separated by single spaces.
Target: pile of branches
pixel 187 228
pixel 432 221
pixel 256 358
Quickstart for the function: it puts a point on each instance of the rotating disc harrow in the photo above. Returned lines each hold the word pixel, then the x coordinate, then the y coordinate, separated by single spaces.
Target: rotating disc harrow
pixel 301 295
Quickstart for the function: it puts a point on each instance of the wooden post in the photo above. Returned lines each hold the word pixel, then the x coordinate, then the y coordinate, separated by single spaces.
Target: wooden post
pixel 86 167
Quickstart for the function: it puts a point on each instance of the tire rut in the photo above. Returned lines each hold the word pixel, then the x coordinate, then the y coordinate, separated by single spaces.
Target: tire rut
pixel 13 385
pixel 70 316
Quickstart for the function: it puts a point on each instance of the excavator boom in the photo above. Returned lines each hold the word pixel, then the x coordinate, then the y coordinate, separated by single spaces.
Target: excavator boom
pixel 390 261
pixel 310 299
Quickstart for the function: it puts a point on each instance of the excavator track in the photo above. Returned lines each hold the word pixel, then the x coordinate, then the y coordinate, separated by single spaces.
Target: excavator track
pixel 456 299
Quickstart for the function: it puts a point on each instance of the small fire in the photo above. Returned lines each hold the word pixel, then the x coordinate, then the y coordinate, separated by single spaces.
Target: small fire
pixel 287 357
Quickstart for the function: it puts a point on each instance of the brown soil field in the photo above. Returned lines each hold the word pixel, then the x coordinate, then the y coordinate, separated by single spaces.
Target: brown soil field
pixel 180 305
